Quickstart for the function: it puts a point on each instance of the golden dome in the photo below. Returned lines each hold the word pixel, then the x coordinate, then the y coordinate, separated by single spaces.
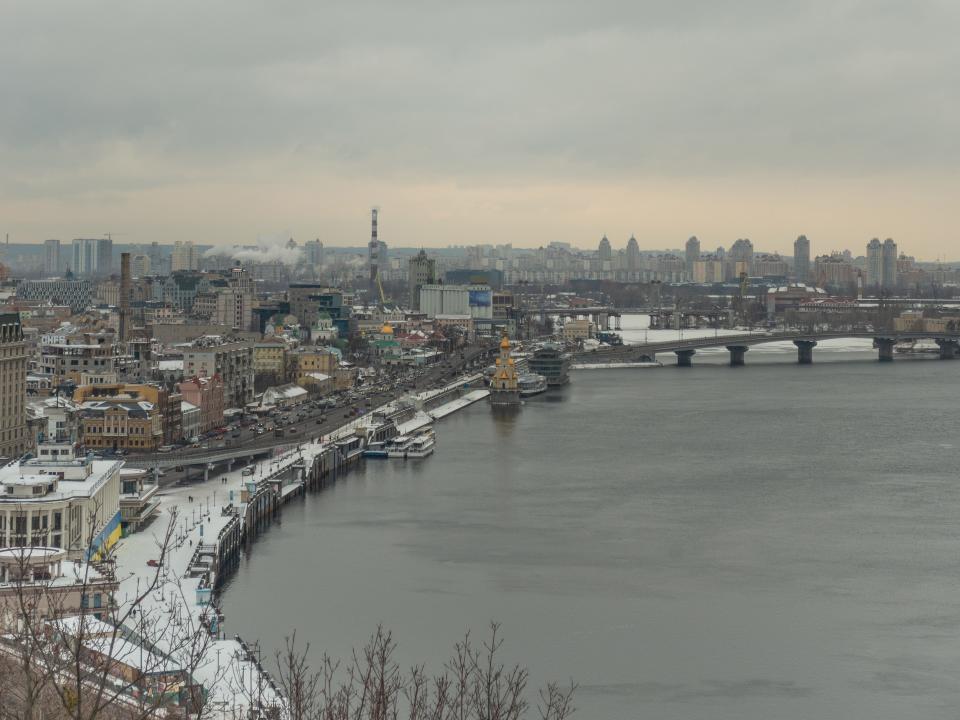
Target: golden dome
pixel 386 329
pixel 505 343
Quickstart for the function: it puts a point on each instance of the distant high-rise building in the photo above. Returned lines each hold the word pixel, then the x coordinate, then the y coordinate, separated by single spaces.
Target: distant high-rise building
pixel 125 319
pixel 92 256
pixel 741 251
pixel 633 254
pixel 801 259
pixel 51 257
pixel 140 265
pixel 874 263
pixel 422 270
pixel 373 252
pixel 888 277
pixel 184 257
pixel 234 304
pixel 156 257
pixel 384 256
pixel 313 249
pixel 604 251
pixel 692 252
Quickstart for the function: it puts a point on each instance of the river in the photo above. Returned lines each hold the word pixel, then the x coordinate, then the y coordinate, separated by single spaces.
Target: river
pixel 771 541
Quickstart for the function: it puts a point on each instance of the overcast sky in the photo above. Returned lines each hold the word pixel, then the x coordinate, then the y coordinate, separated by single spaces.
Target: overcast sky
pixel 521 121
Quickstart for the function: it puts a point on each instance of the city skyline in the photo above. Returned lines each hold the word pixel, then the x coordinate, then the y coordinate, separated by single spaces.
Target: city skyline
pixel 502 124
pixel 705 250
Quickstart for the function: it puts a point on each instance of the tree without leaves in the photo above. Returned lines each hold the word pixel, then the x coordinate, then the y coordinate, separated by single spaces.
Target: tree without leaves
pixel 473 685
pixel 65 661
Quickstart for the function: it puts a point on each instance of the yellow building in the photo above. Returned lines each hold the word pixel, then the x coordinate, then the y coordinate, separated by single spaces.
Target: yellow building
pixel 574 330
pixel 270 357
pixel 123 417
pixel 315 361
pixel 504 385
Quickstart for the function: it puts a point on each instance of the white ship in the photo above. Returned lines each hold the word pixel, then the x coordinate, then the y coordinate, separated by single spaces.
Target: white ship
pixel 531 384
pixel 416 445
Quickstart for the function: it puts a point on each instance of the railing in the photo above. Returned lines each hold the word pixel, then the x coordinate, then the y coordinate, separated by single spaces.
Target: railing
pixel 764 337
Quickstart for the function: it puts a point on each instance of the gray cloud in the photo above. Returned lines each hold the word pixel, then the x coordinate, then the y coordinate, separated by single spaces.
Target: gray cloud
pixel 101 97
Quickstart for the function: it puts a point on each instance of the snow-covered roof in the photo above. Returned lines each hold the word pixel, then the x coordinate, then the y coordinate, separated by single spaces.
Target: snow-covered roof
pixel 130 654
pixel 287 391
pixel 317 376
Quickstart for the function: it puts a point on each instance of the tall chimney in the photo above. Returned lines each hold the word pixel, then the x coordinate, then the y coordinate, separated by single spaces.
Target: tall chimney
pixel 124 296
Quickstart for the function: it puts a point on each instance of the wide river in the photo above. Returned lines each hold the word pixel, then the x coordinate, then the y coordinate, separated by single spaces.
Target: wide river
pixel 771 541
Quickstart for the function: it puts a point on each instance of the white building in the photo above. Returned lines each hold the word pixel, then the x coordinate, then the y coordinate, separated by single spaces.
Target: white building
pixel 62 501
pixel 190 422
pixel 184 257
pixel 284 396
pixel 92 256
pixel 474 301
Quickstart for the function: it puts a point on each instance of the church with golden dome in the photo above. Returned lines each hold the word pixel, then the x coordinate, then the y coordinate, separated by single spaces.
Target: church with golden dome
pixel 504 385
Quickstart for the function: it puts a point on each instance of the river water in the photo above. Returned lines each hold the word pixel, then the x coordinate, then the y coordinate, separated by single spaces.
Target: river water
pixel 772 541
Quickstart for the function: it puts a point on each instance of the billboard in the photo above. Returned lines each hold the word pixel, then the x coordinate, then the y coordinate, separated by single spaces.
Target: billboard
pixel 480 298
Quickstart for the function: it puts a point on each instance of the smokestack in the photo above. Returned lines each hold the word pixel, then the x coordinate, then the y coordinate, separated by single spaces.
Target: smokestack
pixel 124 296
pixel 373 251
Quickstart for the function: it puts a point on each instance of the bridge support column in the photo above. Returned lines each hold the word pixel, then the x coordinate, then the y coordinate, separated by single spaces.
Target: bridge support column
pixel 948 348
pixel 805 351
pixel 206 473
pixel 885 348
pixel 736 354
pixel 684 357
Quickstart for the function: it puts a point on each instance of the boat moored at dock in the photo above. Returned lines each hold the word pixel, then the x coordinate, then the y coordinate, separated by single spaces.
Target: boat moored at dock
pixel 415 445
pixel 552 362
pixel 531 384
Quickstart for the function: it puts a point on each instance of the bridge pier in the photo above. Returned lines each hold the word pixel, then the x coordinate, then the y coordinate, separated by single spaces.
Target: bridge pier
pixel 206 472
pixel 737 353
pixel 805 351
pixel 948 348
pixel 684 357
pixel 885 348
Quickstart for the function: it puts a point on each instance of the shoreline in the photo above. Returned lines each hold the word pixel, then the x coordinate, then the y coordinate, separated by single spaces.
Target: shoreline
pixel 218 519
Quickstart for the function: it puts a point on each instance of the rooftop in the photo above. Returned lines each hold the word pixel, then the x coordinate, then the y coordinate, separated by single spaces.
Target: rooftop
pixel 81 477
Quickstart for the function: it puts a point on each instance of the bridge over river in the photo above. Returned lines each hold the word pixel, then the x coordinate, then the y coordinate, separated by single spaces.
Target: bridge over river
pixel 737 345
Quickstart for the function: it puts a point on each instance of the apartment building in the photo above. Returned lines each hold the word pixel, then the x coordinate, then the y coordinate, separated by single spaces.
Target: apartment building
pixel 13 387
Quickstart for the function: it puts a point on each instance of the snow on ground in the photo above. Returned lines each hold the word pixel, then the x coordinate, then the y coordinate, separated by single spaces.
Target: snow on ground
pixel 191 507
pixel 451 407
pixel 195 510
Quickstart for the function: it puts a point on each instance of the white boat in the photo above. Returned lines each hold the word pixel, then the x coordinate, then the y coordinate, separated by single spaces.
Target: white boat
pixel 416 445
pixel 531 384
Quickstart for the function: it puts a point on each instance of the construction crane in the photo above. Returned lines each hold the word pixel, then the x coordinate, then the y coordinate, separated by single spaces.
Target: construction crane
pixel 383 298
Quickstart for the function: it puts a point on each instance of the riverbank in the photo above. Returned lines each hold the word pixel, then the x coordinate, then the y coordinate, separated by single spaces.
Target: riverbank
pixel 215 519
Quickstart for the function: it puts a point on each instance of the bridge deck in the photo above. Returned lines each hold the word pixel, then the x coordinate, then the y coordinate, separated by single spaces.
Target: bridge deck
pixel 758 338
